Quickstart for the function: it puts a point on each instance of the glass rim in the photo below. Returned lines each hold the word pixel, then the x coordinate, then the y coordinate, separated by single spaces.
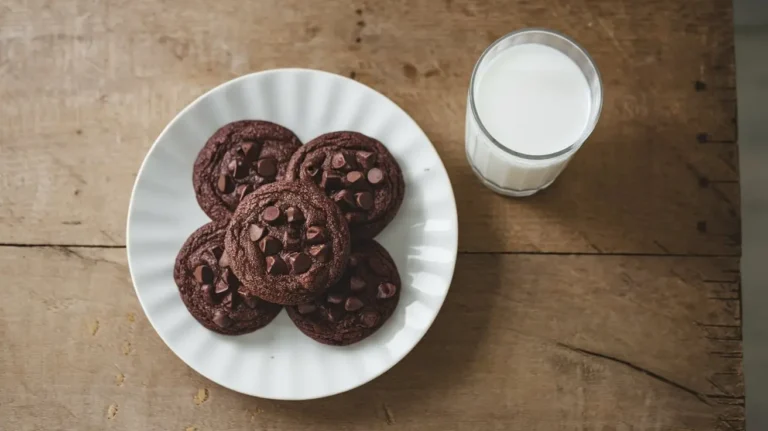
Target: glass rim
pixel 587 130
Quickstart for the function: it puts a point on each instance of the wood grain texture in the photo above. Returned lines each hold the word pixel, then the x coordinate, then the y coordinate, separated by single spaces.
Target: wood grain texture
pixel 522 343
pixel 87 86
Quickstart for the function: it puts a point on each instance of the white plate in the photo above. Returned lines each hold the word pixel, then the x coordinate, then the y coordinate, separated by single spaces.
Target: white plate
pixel 278 361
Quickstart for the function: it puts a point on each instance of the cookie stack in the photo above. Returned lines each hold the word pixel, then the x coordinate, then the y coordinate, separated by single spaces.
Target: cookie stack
pixel 292 226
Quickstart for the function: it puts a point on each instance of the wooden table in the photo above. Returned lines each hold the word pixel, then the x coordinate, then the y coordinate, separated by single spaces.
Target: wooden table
pixel 609 302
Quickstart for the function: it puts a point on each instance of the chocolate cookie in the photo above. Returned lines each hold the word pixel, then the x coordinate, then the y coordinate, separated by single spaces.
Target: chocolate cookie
pixel 358 173
pixel 288 242
pixel 212 292
pixel 239 158
pixel 356 306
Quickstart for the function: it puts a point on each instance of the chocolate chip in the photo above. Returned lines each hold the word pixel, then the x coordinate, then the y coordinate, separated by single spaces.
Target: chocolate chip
pixel 320 252
pixel 231 278
pixel 227 301
pixel 239 169
pixel 306 308
pixel 203 274
pixel 364 200
pixel 386 290
pixel 315 235
pixel 335 298
pixel 338 161
pixel 344 198
pixel 225 184
pixel 270 245
pixel 369 318
pixel 353 261
pixel 375 176
pixel 276 265
pixel 300 263
pixel 294 215
pixel 378 266
pixel 355 217
pixel 217 252
pixel 224 260
pixel 331 180
pixel 271 214
pixel 249 150
pixel 221 319
pixel 221 286
pixel 290 242
pixel 256 232
pixel 354 179
pixel 353 304
pixel 365 159
pixel 356 284
pixel 267 168
pixel 244 190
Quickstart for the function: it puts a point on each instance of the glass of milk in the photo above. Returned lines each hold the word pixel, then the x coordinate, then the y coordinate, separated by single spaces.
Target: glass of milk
pixel 534 98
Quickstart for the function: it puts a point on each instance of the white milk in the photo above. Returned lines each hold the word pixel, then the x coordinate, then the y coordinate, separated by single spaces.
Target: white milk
pixel 532 99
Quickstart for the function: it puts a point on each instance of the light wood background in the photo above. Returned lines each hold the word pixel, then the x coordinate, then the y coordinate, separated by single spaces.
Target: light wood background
pixel 609 302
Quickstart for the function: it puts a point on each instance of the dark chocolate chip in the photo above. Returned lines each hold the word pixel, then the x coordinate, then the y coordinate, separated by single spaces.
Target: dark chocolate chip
pixel 267 168
pixel 203 274
pixel 386 290
pixel 375 176
pixel 354 179
pixel 378 266
pixel 290 242
pixel 306 308
pixel 225 184
pixel 364 200
pixel 338 161
pixel 221 319
pixel 356 284
pixel 353 304
pixel 300 263
pixel 270 245
pixel 244 190
pixel 231 278
pixel 315 235
pixel 256 232
pixel 344 198
pixel 221 286
pixel 355 217
pixel 365 159
pixel 320 252
pixel 271 214
pixel 331 181
pixel 294 215
pixel 217 252
pixel 335 298
pixel 249 151
pixel 276 265
pixel 224 260
pixel 239 169
pixel 227 301
pixel 369 318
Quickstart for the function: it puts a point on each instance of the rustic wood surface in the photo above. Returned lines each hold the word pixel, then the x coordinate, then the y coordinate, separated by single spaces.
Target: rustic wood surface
pixel 610 301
